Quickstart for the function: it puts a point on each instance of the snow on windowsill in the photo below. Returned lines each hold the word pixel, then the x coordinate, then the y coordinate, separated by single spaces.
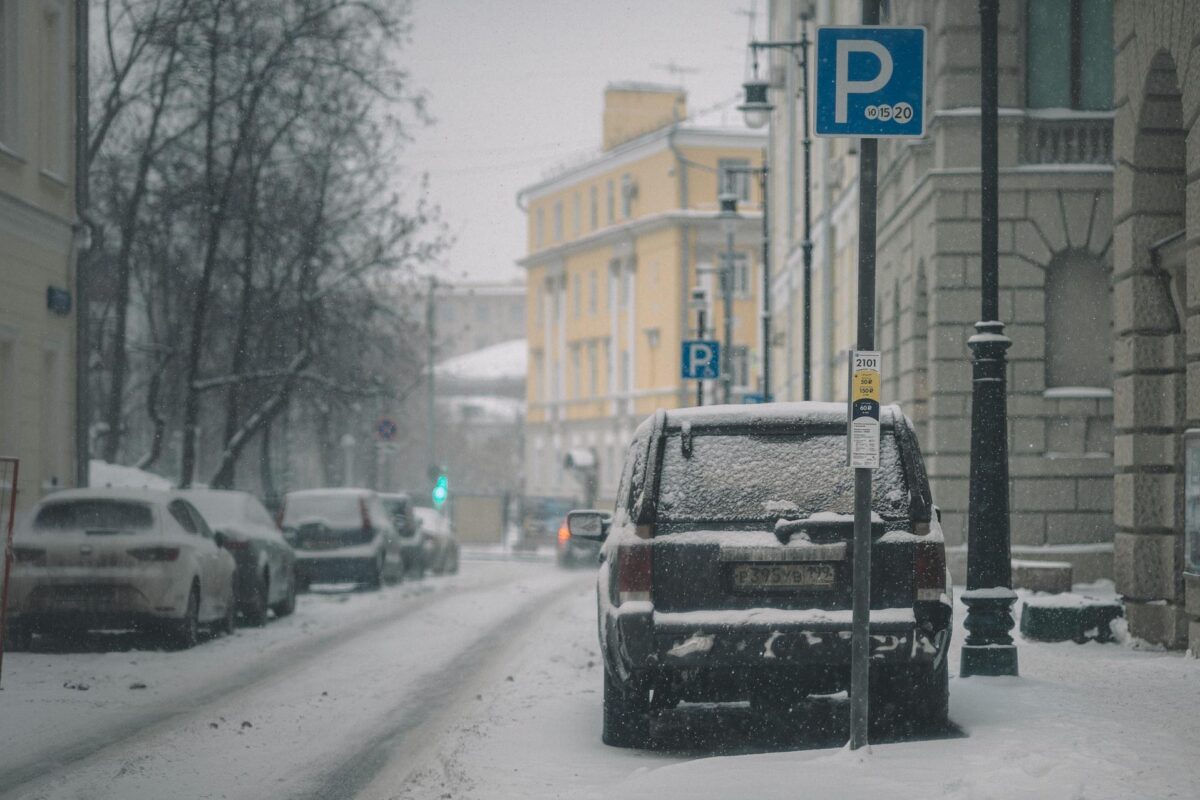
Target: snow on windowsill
pixel 1078 393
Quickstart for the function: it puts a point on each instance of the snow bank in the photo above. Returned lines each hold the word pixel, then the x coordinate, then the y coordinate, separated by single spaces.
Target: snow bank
pixel 102 474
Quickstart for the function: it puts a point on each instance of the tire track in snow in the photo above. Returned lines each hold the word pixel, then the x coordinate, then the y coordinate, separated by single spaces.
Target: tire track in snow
pixel 434 701
pixel 273 667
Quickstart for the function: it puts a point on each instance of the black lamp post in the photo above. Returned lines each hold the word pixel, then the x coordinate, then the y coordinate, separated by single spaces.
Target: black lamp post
pixel 729 218
pixel 757 109
pixel 989 649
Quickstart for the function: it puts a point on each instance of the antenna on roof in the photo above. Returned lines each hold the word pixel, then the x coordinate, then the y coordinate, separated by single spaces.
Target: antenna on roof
pixel 676 71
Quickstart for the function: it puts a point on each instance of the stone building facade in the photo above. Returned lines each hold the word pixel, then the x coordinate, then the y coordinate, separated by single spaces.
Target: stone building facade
pixel 1156 306
pixel 1056 251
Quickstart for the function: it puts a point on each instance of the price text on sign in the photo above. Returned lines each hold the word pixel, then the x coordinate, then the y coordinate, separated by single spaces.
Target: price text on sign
pixel 866 377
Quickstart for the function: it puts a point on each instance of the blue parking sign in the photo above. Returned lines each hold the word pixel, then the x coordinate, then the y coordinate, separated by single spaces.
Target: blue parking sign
pixel 701 359
pixel 870 81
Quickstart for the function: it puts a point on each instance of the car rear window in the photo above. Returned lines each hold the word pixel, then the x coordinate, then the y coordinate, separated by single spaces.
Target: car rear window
pixel 75 515
pixel 750 478
pixel 338 510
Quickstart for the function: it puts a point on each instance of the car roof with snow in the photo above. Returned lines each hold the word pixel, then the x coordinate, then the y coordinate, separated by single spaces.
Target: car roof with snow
pixel 117 493
pixel 809 415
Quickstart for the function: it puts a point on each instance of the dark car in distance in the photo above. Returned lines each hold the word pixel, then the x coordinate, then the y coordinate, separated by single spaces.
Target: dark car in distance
pixel 399 507
pixel 342 535
pixel 573 551
pixel 726 567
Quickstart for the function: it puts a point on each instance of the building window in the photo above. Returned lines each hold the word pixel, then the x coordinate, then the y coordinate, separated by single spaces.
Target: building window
pixel 9 79
pixel 577 214
pixel 576 373
pixel 595 207
pixel 593 376
pixel 540 227
pixel 593 301
pixel 1069 54
pixel 54 90
pixel 741 275
pixel 1078 323
pixel 558 221
pixel 739 366
pixel 736 182
pixel 628 190
pixel 612 203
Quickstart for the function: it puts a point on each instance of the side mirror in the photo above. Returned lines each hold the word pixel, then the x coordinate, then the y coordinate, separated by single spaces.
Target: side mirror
pixel 589 525
pixel 289 534
pixel 220 540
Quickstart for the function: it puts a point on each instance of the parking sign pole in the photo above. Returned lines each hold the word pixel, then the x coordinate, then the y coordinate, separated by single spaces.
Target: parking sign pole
pixel 859 645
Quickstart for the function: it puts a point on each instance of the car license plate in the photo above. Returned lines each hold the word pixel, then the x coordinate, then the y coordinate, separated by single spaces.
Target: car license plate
pixel 757 577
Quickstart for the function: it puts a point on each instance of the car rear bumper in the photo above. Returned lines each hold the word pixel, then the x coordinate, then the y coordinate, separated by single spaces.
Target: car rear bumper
pixel 335 570
pixel 769 639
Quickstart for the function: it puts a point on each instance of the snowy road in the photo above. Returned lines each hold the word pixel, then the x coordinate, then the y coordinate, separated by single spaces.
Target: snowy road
pixel 487 685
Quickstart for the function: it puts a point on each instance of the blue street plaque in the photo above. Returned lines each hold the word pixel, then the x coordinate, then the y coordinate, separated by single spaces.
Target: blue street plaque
pixel 870 81
pixel 753 398
pixel 701 359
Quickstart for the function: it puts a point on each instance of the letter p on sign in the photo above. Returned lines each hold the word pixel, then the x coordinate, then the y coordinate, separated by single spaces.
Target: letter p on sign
pixel 870 81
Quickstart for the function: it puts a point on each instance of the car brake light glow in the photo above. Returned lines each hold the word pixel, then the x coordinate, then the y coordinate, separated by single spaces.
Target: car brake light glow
pixel 155 553
pixel 564 533
pixel 29 555
pixel 929 566
pixel 366 516
pixel 635 572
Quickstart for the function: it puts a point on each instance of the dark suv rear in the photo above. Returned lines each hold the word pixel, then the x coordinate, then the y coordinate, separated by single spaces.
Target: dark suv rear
pixel 726 566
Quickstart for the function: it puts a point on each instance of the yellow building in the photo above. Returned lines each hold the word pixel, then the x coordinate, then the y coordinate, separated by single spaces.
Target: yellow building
pixel 37 215
pixel 616 244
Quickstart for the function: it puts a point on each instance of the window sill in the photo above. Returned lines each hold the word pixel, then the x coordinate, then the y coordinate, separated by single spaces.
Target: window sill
pixel 11 154
pixel 1078 393
pixel 53 177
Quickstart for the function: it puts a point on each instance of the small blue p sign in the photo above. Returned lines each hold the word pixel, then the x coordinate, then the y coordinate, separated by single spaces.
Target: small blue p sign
pixel 701 359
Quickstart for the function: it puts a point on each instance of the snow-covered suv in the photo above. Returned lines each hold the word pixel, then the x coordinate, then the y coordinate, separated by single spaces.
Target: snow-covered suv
pixel 726 566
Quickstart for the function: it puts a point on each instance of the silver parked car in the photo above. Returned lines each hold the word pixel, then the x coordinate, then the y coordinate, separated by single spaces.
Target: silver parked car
pixel 438 541
pixel 266 564
pixel 119 558
pixel 342 535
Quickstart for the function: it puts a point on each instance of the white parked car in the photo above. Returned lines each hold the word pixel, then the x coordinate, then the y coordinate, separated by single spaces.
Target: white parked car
pixel 119 558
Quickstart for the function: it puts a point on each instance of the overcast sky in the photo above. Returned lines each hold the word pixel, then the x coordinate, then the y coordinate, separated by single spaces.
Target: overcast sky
pixel 516 87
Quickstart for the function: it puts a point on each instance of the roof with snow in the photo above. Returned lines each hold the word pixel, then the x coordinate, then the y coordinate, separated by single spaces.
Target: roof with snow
pixel 504 361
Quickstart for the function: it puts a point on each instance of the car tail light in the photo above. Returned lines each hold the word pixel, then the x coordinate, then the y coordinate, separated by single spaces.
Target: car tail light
pixel 29 555
pixel 236 544
pixel 155 553
pixel 929 563
pixel 644 531
pixel 564 533
pixel 367 527
pixel 635 572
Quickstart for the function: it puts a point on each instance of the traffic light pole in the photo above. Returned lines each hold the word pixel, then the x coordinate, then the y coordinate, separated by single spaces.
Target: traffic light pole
pixel 860 624
pixel 701 324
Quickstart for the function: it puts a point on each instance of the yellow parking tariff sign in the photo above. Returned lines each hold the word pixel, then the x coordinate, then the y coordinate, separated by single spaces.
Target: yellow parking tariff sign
pixel 866 377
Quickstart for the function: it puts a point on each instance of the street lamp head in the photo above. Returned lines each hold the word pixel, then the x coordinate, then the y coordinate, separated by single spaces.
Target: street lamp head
pixel 699 300
pixel 757 108
pixel 807 11
pixel 729 212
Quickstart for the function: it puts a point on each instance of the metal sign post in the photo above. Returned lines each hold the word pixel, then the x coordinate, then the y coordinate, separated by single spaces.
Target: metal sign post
pixel 9 475
pixel 870 82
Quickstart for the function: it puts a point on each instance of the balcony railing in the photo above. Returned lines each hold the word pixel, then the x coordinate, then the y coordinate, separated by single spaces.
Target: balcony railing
pixel 1067 137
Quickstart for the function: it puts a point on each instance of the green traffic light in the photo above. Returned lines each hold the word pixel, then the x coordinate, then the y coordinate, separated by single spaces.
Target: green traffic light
pixel 440 490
